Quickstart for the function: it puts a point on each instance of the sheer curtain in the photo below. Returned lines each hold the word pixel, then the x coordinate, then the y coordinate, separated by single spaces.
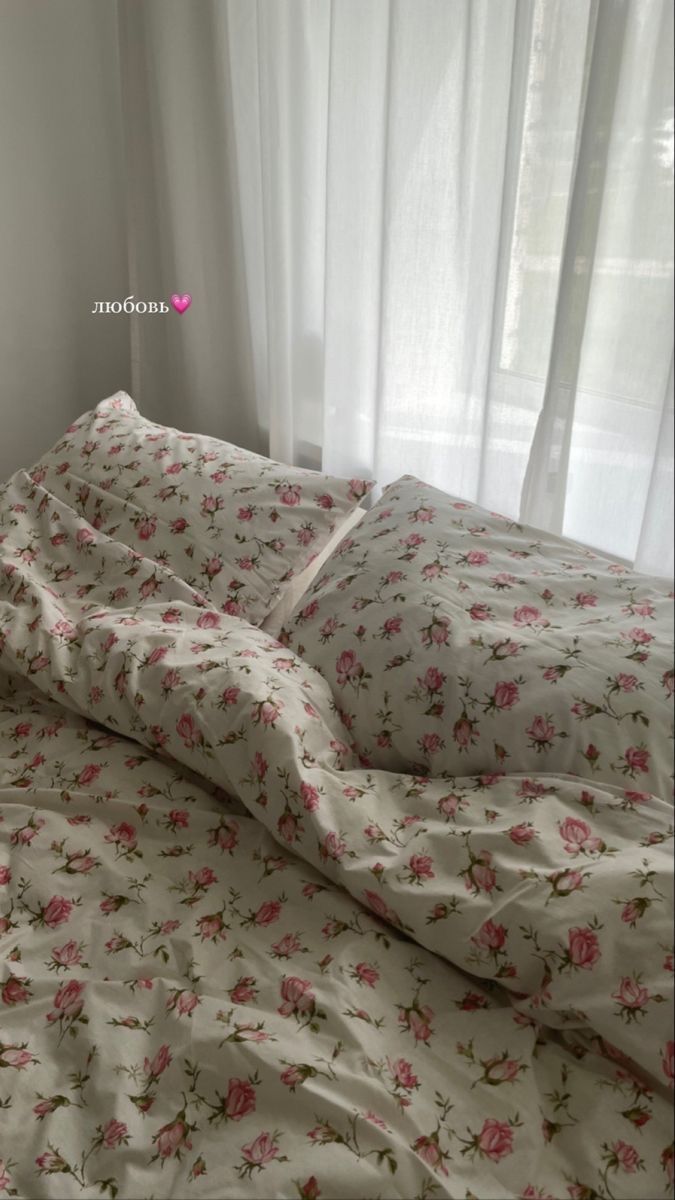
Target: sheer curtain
pixel 422 236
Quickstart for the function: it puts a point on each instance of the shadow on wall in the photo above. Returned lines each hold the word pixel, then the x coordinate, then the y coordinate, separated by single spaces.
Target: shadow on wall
pixel 62 220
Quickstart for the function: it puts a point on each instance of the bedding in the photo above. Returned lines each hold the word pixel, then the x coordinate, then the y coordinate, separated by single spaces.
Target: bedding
pixel 241 959
pixel 236 526
pixel 456 640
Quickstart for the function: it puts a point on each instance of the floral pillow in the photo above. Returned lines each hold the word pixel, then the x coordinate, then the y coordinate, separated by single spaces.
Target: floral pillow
pixel 235 525
pixel 457 641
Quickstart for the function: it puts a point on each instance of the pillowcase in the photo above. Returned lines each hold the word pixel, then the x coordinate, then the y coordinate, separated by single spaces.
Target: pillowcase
pixel 456 641
pixel 234 525
pixel 275 621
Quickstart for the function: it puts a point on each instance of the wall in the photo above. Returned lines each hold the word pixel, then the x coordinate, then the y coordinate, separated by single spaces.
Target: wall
pixel 62 219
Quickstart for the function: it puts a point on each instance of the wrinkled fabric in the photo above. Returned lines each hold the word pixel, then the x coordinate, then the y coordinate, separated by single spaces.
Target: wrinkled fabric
pixel 238 960
pixel 235 525
pixel 457 640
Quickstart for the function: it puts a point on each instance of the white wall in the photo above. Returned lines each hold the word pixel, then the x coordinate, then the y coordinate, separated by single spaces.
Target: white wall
pixel 62 219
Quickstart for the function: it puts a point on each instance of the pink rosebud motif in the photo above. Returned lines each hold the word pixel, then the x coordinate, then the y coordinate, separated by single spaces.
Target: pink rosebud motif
pixel 402 1074
pixel 292 1077
pixel 240 1099
pixel 429 1151
pixel 527 614
pixel 626 683
pixel 187 729
pixel 289 493
pixel 208 620
pixel 431 743
pixel 637 760
pixel 288 945
pixel 668 1062
pixel 309 1190
pixel 244 991
pixel 211 927
pixel 490 936
pixel 419 1023
pixel 432 680
pixel 627 1156
pixel 68 1001
pixel 347 667
pixel 576 834
pixel 268 912
pixel 333 847
pixel 505 695
pixel 310 796
pixel 297 996
pixel 14 991
pixel 203 878
pixel 542 731
pixel 630 994
pixel 583 949
pixel 185 1003
pixel 123 834
pixel 154 1067
pixel 68 955
pixel 495 1139
pixel 261 1151
pixel 51 1162
pixel 171 1139
pixel 482 876
pixel 81 863
pixel 421 866
pixel 113 1132
pixel 88 774
pixel 5 875
pixel 501 1070
pixel 57 911
pixel 463 733
pixel 16 1057
pixel 287 826
pixel 367 974
pixel 520 835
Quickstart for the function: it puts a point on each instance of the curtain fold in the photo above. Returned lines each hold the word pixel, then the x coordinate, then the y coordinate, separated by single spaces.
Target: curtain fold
pixel 422 236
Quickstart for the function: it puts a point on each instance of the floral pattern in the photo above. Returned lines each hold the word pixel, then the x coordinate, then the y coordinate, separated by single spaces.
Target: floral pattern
pixel 456 640
pixel 253 963
pixel 234 525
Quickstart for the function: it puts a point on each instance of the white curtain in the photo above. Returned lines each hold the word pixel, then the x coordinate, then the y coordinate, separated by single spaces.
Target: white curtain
pixel 422 236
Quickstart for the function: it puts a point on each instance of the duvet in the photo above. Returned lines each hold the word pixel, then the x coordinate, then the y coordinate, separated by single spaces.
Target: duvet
pixel 238 961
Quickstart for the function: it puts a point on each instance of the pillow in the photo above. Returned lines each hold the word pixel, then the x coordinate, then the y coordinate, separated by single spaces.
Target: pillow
pixel 456 641
pixel 275 621
pixel 234 525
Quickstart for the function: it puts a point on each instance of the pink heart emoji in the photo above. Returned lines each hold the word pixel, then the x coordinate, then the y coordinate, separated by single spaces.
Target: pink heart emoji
pixel 181 303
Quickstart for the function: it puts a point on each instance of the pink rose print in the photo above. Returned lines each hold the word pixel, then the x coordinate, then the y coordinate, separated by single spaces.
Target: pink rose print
pixel 495 1139
pixel 57 911
pixel 268 912
pixel 583 949
pixel 297 996
pixel 261 1151
pixel 367 974
pixel 14 991
pixel 154 1067
pixel 577 837
pixel 114 1133
pixel 627 1156
pixel 68 955
pixel 631 994
pixel 506 695
pixel 240 1100
pixel 171 1139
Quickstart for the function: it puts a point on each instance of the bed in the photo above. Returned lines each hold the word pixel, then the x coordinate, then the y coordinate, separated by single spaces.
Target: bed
pixel 335 857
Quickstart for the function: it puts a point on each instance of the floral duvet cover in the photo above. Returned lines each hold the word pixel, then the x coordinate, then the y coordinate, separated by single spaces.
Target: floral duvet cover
pixel 236 961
